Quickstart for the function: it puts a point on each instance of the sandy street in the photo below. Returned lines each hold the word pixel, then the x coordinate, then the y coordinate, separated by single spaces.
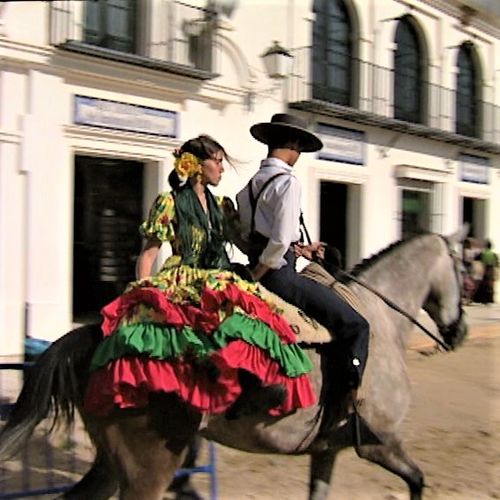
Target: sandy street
pixel 452 432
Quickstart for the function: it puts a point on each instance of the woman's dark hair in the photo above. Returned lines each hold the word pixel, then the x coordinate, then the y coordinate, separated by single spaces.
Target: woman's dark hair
pixel 174 180
pixel 203 147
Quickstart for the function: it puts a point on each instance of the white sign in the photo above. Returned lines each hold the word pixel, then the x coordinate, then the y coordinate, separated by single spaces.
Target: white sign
pixel 341 144
pixel 474 168
pixel 123 116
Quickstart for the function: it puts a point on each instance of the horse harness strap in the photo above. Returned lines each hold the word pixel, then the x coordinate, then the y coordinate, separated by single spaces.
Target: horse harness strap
pixel 254 199
pixel 398 309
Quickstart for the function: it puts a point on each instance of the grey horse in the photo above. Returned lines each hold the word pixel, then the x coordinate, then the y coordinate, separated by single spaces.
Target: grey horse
pixel 138 451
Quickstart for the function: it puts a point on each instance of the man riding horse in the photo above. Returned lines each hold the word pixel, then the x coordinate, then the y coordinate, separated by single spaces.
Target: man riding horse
pixel 270 216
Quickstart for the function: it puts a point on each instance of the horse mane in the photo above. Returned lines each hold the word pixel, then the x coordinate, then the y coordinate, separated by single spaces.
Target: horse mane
pixel 373 259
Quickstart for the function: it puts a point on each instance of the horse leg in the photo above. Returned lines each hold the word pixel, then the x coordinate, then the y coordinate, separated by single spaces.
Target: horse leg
pixel 182 486
pixel 320 473
pixel 148 446
pixel 392 457
pixel 145 459
pixel 99 483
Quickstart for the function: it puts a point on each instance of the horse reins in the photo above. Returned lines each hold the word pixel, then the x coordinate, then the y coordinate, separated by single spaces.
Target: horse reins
pixel 253 203
pixel 381 296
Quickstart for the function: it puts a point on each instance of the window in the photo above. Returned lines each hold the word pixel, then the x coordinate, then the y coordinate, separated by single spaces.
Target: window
pixel 111 24
pixel 415 212
pixel 408 81
pixel 332 53
pixel 420 207
pixel 467 102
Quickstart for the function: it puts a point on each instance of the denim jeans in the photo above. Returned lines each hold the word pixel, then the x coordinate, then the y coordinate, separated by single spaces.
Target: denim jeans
pixel 325 306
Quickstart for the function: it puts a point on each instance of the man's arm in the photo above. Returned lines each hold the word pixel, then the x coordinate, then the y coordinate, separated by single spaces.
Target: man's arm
pixel 259 271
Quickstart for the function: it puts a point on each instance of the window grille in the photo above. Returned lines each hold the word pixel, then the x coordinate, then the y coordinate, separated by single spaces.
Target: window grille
pixel 111 24
pixel 408 82
pixel 467 106
pixel 332 53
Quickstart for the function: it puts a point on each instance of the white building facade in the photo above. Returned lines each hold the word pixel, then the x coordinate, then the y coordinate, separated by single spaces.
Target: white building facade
pixel 94 97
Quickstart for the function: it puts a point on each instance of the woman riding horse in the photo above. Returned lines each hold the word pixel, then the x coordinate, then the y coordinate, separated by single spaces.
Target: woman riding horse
pixel 196 328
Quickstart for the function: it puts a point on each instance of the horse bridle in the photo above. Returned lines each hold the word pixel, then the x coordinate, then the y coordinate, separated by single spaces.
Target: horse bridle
pixel 445 328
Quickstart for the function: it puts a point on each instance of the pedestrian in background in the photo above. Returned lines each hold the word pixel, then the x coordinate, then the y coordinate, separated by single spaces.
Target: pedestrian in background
pixel 486 288
pixel 471 279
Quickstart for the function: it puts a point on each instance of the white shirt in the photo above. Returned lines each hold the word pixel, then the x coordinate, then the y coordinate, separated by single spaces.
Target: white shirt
pixel 277 212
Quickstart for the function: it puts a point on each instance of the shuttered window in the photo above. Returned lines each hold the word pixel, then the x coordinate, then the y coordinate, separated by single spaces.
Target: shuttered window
pixel 111 24
pixel 408 81
pixel 467 102
pixel 333 61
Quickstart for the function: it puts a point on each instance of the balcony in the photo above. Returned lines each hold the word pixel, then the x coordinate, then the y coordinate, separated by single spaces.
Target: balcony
pixel 369 98
pixel 164 35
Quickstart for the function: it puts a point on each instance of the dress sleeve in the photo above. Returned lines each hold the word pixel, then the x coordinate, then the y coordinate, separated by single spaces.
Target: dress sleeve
pixel 159 223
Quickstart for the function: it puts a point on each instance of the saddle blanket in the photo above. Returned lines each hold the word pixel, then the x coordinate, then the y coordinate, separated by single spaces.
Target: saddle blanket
pixel 307 329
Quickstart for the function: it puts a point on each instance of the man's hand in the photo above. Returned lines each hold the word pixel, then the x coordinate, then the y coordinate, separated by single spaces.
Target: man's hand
pixel 310 252
pixel 258 271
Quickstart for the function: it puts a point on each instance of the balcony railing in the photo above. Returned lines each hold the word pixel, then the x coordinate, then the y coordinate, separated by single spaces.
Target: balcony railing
pixel 166 34
pixel 371 95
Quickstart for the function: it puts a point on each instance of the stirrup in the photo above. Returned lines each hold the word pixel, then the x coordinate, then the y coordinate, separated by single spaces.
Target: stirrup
pixel 353 429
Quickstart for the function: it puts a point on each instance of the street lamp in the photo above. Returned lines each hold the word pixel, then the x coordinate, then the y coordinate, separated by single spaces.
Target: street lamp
pixel 277 61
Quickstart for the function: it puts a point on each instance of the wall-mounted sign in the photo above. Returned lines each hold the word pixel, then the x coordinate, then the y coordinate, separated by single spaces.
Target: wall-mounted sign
pixel 474 168
pixel 123 116
pixel 341 144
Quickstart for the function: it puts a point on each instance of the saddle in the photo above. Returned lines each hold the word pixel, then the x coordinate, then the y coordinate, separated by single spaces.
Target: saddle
pixel 307 329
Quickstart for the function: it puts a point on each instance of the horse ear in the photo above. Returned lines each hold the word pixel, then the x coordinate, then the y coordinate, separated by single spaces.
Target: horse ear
pixel 459 235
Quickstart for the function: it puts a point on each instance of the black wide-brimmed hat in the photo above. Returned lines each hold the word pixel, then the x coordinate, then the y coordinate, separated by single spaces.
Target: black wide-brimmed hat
pixel 283 124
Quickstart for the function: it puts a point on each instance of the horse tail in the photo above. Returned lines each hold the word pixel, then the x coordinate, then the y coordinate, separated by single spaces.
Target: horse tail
pixel 54 384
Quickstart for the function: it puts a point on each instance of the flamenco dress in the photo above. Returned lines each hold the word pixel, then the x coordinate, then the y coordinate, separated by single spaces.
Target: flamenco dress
pixel 189 330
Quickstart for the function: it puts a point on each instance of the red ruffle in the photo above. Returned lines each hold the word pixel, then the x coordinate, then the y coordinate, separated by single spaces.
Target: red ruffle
pixel 177 315
pixel 239 354
pixel 204 318
pixel 127 382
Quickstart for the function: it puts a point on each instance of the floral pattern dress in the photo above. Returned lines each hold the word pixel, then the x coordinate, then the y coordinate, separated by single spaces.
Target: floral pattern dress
pixel 189 330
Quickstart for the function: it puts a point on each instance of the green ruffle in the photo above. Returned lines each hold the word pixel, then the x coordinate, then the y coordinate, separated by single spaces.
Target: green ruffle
pixel 153 340
pixel 159 341
pixel 293 360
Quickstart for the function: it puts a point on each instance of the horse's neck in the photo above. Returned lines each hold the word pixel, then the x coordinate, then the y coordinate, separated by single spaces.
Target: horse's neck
pixel 404 274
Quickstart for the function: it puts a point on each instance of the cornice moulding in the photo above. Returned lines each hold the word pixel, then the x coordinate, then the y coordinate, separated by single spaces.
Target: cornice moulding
pixel 73 67
pixel 10 137
pixel 98 140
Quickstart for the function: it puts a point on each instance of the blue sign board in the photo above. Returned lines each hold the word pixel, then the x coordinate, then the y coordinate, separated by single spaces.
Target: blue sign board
pixel 124 116
pixel 341 144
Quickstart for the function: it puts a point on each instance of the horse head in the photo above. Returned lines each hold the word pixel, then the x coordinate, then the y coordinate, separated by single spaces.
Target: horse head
pixel 444 302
